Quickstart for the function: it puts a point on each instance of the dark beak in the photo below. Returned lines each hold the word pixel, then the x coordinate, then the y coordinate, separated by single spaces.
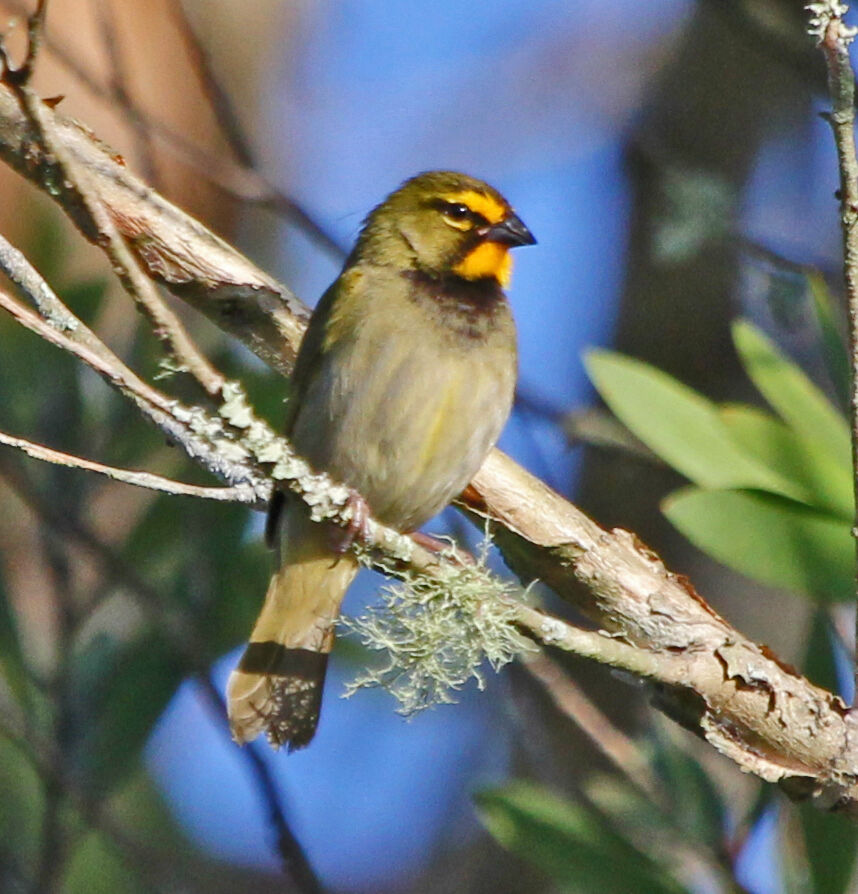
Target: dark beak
pixel 511 231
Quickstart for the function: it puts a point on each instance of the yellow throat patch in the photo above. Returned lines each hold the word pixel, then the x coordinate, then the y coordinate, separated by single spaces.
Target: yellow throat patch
pixel 488 258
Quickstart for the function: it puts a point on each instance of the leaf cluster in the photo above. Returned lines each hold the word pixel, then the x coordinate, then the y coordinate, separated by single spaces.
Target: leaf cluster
pixel 771 491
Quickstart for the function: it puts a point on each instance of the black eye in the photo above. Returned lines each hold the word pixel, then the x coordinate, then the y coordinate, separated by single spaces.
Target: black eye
pixel 457 211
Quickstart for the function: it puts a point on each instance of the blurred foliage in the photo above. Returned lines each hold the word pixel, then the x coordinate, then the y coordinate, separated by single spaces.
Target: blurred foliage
pixel 770 496
pixel 109 598
pixel 572 844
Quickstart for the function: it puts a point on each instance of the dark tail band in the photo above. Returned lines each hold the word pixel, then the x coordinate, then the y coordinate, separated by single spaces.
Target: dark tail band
pixel 294 680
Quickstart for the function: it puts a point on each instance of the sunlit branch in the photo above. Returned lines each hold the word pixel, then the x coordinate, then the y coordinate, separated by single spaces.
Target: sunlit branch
pixel 241 493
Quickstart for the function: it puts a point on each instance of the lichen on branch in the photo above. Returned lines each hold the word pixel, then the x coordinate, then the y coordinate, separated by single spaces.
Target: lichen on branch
pixel 438 633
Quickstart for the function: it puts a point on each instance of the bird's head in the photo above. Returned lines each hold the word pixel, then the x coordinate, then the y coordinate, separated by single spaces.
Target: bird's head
pixel 443 223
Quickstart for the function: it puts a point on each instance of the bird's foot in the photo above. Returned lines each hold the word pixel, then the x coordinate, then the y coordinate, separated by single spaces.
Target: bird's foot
pixel 358 526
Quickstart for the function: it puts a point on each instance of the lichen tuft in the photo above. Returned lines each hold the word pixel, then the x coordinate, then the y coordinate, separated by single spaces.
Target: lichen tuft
pixel 438 633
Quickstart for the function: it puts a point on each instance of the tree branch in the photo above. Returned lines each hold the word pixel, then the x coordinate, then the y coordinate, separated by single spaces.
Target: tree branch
pixel 241 493
pixel 239 182
pixel 172 248
pixel 165 324
pixel 763 715
pixel 202 436
pixel 292 856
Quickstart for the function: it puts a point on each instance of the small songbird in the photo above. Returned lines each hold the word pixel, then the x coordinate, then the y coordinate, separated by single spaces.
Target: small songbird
pixel 402 385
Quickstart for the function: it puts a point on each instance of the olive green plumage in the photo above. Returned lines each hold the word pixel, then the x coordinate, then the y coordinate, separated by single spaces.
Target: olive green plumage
pixel 402 384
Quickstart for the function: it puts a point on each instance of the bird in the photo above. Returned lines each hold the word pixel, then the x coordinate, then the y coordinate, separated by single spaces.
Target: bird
pixel 402 384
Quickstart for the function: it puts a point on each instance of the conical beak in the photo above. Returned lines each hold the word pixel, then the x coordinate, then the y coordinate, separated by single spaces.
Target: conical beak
pixel 511 231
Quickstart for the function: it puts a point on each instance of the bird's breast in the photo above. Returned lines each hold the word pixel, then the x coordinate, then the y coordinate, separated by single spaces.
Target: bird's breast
pixel 407 407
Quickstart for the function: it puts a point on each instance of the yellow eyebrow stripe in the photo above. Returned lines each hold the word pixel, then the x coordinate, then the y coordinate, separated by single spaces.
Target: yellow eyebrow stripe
pixel 490 208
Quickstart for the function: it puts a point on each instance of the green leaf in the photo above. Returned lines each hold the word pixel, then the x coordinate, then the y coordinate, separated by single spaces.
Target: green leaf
pixel 696 805
pixel 23 808
pixel 573 845
pixel 806 463
pixel 830 842
pixel 819 664
pixel 769 538
pixel 681 426
pixel 795 398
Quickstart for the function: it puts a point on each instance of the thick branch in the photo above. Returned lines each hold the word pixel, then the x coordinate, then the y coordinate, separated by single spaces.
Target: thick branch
pixel 172 247
pixel 759 712
pixel 763 715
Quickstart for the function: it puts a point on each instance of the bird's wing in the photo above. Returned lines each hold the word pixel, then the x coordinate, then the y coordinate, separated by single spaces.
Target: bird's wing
pixel 306 366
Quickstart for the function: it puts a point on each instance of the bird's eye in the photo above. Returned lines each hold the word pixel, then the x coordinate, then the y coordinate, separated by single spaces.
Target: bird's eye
pixel 457 215
pixel 457 211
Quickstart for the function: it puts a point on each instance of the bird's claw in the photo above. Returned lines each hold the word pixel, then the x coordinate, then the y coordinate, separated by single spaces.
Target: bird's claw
pixel 358 526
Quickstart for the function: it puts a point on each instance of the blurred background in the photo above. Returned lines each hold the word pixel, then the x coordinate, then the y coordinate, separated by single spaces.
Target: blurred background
pixel 671 160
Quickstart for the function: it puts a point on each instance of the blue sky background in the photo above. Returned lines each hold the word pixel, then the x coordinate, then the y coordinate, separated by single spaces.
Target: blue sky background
pixel 536 98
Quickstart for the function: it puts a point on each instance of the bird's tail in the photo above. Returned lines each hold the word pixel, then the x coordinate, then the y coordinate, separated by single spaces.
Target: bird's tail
pixel 277 686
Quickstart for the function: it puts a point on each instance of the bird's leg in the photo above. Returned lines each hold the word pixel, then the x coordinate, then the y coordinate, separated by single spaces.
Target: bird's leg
pixel 358 526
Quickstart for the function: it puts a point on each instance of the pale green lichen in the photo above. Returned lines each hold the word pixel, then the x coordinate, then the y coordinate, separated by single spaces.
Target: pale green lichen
pixel 167 368
pixel 438 633
pixel 823 15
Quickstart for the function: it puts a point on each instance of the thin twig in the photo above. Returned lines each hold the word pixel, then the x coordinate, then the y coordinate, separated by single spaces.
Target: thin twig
pixel 626 756
pixel 16 266
pixel 241 183
pixel 184 641
pixel 598 428
pixel 106 18
pixel 622 751
pixel 218 98
pixel 241 493
pixel 834 39
pixel 142 860
pixel 244 182
pixel 185 355
pixel 114 568
pixel 35 33
pixel 175 249
pixel 177 422
pixel 294 860
pixel 167 327
pixel 55 843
